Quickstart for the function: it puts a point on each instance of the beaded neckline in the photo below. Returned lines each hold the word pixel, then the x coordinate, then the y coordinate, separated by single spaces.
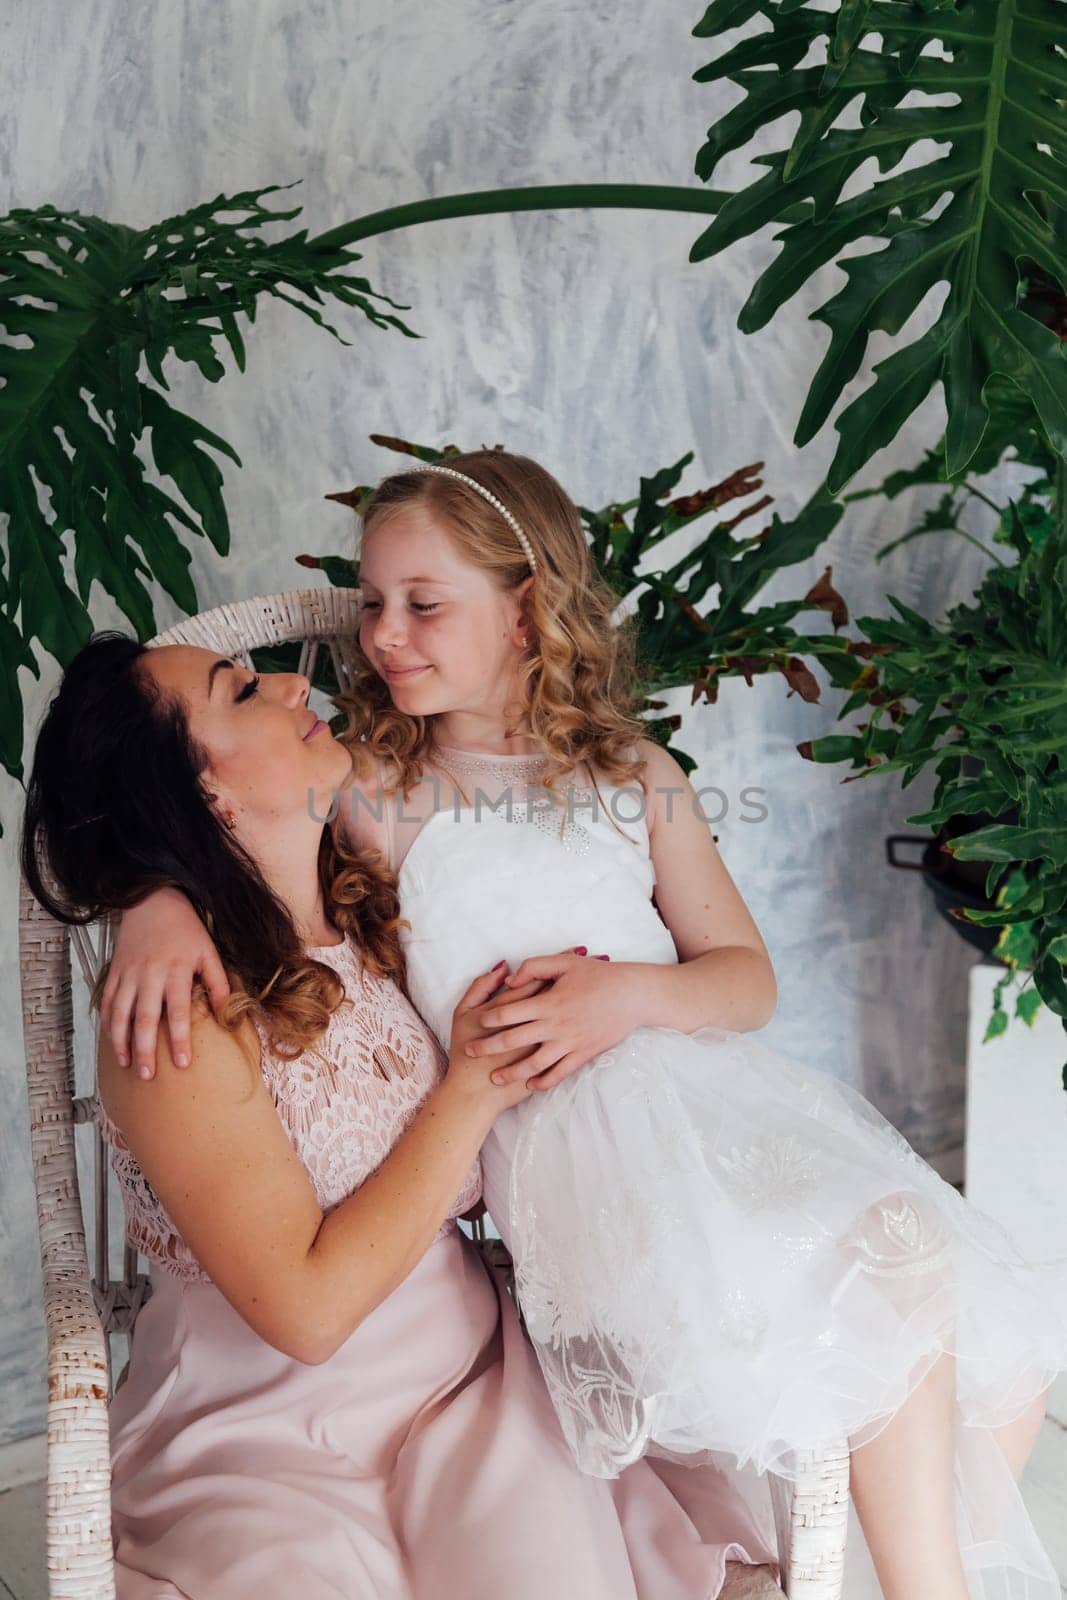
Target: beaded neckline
pixel 475 761
pixel 490 756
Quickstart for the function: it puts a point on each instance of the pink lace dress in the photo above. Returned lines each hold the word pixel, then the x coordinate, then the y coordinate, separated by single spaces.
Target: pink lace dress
pixel 424 1458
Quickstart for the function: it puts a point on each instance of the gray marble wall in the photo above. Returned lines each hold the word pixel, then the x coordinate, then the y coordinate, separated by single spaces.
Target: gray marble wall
pixel 583 338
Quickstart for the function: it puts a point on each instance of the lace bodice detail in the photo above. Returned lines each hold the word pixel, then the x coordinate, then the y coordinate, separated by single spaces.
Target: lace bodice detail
pixel 344 1102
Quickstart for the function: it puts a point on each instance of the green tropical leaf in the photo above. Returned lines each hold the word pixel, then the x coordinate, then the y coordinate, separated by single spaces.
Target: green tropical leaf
pixel 1017 945
pixel 996 1026
pixel 1003 843
pixel 90 445
pixel 831 747
pixel 982 696
pixel 14 653
pixel 1048 976
pixel 1003 169
pixel 1027 1006
pixel 341 572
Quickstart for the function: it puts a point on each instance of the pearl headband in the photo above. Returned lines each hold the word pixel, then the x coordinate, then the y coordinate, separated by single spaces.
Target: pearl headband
pixel 431 466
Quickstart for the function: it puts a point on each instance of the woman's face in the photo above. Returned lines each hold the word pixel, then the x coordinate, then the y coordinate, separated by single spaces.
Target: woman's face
pixel 435 626
pixel 270 760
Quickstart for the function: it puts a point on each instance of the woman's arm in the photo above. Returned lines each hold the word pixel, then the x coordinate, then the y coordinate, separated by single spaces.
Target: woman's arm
pixel 211 1144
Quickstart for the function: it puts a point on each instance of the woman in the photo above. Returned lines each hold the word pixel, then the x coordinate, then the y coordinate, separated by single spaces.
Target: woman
pixel 326 1387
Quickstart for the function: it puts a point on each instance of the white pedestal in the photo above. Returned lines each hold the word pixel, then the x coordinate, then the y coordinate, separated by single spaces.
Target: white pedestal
pixel 1016 1161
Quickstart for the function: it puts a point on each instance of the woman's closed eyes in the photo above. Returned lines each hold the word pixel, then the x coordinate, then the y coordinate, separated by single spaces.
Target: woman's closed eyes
pixel 250 688
pixel 370 605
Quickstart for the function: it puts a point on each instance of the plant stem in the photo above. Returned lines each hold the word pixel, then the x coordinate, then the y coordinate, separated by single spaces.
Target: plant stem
pixel 978 544
pixel 980 495
pixel 542 197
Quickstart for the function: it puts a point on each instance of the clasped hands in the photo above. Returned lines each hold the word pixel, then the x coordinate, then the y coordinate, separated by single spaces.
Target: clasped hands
pixel 579 1010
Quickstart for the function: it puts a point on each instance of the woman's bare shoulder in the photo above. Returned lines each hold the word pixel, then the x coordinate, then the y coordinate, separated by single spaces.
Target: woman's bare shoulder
pixel 222 1060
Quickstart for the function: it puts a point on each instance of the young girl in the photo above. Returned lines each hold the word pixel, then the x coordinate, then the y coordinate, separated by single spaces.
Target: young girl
pixel 715 1248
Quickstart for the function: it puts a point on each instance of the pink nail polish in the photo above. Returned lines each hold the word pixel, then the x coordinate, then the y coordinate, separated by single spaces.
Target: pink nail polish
pixel 580 950
pixel 601 958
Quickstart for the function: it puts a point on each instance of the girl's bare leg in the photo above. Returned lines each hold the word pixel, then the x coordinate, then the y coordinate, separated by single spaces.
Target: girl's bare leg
pixel 904 1493
pixel 1017 1439
pixel 903 1482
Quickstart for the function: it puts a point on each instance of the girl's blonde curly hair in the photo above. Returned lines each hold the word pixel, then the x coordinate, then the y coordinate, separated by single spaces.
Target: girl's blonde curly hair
pixel 578 685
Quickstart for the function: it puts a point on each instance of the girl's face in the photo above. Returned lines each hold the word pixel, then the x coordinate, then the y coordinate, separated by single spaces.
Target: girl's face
pixel 438 630
pixel 269 756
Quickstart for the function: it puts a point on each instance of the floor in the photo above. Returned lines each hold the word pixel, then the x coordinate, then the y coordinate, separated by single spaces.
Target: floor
pixel 22 1562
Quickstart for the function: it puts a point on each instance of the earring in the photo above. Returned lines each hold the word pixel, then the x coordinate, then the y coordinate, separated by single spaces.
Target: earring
pixel 522 642
pixel 228 817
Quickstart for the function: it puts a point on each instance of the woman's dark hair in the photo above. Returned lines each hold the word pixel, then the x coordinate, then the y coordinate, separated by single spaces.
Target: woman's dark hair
pixel 115 808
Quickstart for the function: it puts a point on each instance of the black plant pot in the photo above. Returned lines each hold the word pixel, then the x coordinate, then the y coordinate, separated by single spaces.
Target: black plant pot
pixel 955 885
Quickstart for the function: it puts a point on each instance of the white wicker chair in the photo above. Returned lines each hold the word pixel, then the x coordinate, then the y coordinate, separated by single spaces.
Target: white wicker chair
pixel 84 1308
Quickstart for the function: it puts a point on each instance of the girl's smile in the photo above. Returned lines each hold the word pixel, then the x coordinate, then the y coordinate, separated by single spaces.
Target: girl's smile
pixel 402 672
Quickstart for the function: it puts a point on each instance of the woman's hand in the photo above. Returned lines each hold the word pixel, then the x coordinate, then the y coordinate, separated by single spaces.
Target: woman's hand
pixel 584 1008
pixel 160 946
pixel 471 1076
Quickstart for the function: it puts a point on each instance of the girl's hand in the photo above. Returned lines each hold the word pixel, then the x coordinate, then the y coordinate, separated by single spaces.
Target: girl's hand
pixel 160 946
pixel 472 1077
pixel 583 1009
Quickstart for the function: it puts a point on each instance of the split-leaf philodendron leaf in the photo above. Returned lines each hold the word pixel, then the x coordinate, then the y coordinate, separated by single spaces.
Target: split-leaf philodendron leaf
pixel 968 184
pixel 90 445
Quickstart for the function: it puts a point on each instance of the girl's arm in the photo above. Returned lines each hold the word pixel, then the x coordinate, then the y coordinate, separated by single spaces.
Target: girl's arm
pixel 211 1144
pixel 160 946
pixel 724 978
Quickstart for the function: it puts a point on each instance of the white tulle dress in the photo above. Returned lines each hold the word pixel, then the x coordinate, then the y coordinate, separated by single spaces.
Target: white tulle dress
pixel 716 1249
